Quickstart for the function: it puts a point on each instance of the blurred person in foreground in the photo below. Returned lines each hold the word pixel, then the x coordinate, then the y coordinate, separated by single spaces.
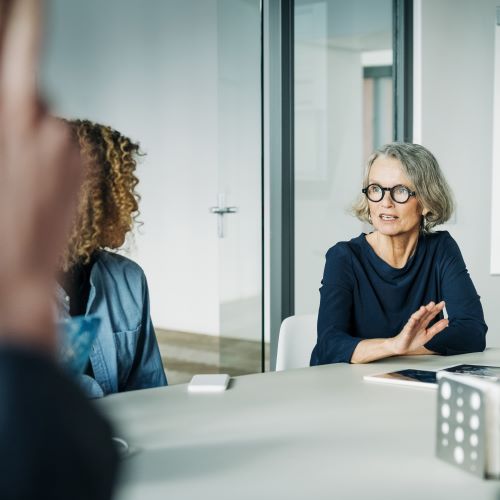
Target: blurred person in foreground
pixel 54 444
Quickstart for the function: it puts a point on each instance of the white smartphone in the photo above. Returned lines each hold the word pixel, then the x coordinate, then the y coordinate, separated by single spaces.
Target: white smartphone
pixel 209 383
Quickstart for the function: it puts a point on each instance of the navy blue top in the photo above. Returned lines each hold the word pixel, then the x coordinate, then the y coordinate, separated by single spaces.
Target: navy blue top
pixel 363 297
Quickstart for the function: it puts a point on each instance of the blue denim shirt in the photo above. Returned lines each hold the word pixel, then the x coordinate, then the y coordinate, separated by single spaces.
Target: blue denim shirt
pixel 125 354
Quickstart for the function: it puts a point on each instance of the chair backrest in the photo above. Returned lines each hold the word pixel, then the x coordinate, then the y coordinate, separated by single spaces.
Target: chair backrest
pixel 296 341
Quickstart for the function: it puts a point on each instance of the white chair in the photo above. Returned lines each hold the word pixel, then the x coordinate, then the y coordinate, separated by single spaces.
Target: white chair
pixel 296 341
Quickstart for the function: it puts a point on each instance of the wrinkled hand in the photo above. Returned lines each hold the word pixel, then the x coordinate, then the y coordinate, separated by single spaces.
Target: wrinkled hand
pixel 39 179
pixel 415 334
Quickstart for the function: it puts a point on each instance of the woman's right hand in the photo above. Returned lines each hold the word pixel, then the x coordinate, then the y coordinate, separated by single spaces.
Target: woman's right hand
pixel 415 333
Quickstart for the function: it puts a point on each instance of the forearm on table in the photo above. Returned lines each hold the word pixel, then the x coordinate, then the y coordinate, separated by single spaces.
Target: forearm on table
pixel 372 349
pixel 421 351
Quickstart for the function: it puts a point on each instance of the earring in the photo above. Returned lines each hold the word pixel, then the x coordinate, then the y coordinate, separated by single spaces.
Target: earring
pixel 370 218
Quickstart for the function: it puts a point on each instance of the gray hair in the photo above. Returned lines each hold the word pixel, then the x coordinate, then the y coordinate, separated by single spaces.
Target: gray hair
pixel 422 169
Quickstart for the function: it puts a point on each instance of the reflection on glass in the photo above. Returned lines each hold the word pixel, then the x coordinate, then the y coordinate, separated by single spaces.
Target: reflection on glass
pixel 343 110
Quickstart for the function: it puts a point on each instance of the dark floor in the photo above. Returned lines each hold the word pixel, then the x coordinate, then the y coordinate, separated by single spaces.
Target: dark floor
pixel 187 354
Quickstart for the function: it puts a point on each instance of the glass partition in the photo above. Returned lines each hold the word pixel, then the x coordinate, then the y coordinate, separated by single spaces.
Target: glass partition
pixel 182 77
pixel 343 110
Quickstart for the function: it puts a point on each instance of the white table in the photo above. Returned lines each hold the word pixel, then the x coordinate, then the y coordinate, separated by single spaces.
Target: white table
pixel 314 433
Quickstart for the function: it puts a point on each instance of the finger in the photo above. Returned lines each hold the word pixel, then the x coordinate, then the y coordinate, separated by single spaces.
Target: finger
pixel 424 313
pixel 429 308
pixel 19 60
pixel 440 305
pixel 432 311
pixel 413 324
pixel 436 328
pixel 419 314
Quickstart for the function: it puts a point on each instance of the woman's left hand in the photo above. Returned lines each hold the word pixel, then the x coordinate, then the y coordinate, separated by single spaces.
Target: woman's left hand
pixel 415 333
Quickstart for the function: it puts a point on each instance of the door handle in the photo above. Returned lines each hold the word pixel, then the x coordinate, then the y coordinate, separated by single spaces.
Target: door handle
pixel 222 210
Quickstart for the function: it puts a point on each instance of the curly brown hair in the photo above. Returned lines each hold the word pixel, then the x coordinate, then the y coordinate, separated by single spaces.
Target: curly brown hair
pixel 108 203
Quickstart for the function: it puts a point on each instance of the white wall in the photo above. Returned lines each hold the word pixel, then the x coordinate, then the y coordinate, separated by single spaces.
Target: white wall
pixel 456 99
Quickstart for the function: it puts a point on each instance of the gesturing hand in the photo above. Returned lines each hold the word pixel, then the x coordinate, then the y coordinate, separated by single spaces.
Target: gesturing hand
pixel 39 178
pixel 415 333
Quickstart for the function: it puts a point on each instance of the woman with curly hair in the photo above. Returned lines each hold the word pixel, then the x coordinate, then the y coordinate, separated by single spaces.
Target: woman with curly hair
pixel 94 280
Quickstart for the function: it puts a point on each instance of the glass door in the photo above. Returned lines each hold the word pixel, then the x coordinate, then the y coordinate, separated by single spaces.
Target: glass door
pixel 343 110
pixel 182 77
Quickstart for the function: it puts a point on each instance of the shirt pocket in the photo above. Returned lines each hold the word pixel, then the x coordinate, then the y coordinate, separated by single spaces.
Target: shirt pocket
pixel 126 348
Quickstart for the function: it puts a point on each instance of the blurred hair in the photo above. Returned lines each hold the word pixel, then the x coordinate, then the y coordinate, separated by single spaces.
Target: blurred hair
pixel 108 202
pixel 423 171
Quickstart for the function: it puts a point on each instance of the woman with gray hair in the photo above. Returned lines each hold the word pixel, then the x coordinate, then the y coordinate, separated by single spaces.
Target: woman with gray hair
pixel 383 293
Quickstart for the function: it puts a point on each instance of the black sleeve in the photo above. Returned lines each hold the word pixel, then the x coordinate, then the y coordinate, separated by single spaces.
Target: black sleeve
pixel 54 444
pixel 335 343
pixel 467 330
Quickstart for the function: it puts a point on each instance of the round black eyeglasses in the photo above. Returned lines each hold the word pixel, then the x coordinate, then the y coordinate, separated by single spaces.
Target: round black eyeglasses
pixel 399 193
